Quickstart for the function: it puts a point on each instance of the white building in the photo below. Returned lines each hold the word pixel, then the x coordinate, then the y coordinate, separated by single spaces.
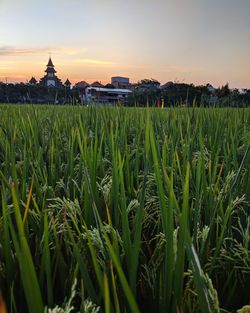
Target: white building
pixel 106 96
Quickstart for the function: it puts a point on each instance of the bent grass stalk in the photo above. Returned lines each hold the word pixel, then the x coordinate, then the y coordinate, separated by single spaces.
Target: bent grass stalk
pixel 145 208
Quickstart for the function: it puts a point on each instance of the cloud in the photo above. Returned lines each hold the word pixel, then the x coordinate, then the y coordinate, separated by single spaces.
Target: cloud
pixel 4 68
pixel 95 62
pixel 14 51
pixel 70 50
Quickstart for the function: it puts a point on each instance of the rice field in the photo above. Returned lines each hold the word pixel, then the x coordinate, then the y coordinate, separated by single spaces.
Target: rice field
pixel 124 209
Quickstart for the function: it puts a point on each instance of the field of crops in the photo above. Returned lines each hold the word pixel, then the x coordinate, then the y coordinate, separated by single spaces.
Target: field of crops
pixel 124 210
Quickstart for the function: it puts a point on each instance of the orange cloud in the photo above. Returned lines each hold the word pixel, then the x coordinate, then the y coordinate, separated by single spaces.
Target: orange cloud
pixel 95 62
pixel 71 51
pixel 14 51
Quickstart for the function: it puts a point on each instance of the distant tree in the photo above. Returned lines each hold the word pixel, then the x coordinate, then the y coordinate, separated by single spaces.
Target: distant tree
pixel 146 81
pixel 110 86
pixel 223 91
pixel 148 95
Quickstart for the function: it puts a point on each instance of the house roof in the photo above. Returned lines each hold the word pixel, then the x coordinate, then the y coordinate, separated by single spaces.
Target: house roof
pixel 82 84
pixel 50 70
pixel 33 80
pixel 96 84
pixel 112 90
pixel 67 82
pixel 50 67
pixel 50 63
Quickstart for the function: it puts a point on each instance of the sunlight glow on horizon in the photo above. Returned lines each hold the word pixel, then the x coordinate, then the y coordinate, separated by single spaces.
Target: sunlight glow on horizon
pixel 189 41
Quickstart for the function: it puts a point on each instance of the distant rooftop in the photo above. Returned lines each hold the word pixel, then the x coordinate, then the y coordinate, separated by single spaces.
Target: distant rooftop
pixel 120 79
pixel 50 63
pixel 110 89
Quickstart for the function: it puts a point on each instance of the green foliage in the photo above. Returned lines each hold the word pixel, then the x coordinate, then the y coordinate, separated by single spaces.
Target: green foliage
pixel 140 210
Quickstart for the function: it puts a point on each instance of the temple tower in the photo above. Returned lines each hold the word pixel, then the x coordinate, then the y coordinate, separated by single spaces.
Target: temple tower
pixel 50 79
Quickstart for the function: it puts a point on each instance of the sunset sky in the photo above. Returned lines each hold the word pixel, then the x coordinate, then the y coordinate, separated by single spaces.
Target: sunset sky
pixel 191 41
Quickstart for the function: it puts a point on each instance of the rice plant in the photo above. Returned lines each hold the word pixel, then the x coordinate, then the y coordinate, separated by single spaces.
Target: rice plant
pixel 124 209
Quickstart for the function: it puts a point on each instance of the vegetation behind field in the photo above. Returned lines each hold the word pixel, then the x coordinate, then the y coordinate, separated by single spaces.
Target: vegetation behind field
pixel 124 210
pixel 175 94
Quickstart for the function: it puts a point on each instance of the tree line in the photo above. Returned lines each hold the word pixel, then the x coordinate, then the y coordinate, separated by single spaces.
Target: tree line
pixel 145 93
pixel 182 94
